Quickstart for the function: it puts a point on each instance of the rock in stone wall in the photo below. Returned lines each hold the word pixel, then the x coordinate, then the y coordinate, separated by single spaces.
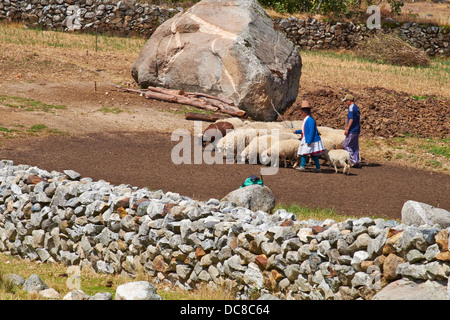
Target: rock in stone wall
pixel 128 18
pixel 54 216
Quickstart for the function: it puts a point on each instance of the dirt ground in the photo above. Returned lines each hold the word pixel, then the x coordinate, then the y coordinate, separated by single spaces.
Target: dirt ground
pixel 134 147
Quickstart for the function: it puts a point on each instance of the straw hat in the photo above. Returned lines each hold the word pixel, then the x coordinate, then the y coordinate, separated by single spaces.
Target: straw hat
pixel 305 105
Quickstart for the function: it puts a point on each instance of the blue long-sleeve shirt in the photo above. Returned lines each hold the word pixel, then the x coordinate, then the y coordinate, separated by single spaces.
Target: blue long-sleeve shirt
pixel 311 134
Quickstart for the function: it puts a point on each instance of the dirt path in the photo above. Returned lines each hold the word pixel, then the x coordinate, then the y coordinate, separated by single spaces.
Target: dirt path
pixel 144 160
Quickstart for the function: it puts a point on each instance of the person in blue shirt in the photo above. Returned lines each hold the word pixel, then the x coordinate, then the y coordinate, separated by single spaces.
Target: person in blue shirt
pixel 311 144
pixel 352 130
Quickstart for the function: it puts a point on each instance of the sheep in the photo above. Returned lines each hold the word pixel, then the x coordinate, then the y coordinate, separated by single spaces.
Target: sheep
pixel 293 124
pixel 336 135
pixel 338 156
pixel 286 149
pixel 236 122
pixel 255 148
pixel 329 144
pixel 214 131
pixel 237 139
pixel 264 125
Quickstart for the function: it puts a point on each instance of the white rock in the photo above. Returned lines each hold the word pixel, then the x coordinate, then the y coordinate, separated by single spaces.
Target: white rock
pixel 139 290
pixel 49 293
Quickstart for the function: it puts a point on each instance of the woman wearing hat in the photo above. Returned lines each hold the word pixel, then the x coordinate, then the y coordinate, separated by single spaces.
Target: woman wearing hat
pixel 311 144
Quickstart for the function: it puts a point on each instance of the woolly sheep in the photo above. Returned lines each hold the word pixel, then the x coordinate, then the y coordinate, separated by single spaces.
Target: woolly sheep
pixel 236 122
pixel 336 135
pixel 287 151
pixel 239 138
pixel 264 125
pixel 338 156
pixel 294 124
pixel 257 146
pixel 329 144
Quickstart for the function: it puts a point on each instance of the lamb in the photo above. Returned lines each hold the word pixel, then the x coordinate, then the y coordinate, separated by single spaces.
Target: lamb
pixel 329 144
pixel 286 149
pixel 338 156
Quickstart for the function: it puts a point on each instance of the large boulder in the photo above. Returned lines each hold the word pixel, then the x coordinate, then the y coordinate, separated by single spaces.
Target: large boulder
pixel 254 197
pixel 418 213
pixel 227 48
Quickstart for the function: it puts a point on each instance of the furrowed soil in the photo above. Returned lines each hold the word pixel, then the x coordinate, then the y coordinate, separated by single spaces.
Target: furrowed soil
pixel 122 138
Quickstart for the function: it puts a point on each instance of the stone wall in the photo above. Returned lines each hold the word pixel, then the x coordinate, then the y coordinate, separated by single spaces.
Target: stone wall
pixel 53 216
pixel 123 18
pixel 311 34
pixel 110 17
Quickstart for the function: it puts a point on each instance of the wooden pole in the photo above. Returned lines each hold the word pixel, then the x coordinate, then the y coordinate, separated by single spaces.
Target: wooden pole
pixel 203 117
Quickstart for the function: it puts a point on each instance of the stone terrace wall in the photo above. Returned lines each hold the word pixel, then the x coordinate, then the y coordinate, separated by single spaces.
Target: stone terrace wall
pixel 132 19
pixel 54 216
pixel 110 17
pixel 311 34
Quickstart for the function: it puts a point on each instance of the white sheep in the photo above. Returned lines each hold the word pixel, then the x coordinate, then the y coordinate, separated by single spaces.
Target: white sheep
pixel 329 144
pixel 257 146
pixel 286 149
pixel 264 125
pixel 236 122
pixel 336 135
pixel 237 140
pixel 293 125
pixel 338 156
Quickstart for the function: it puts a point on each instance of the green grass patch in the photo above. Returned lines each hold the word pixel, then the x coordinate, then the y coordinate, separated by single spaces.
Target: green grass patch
pixel 110 110
pixel 434 164
pixel 37 128
pixel 29 104
pixel 417 98
pixel 306 213
pixel 19 130
pixel 438 147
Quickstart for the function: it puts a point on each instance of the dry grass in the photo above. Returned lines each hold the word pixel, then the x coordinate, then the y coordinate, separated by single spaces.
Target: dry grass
pixel 389 48
pixel 28 55
pixel 427 12
pixel 413 152
pixel 424 12
pixel 346 70
pixel 55 275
